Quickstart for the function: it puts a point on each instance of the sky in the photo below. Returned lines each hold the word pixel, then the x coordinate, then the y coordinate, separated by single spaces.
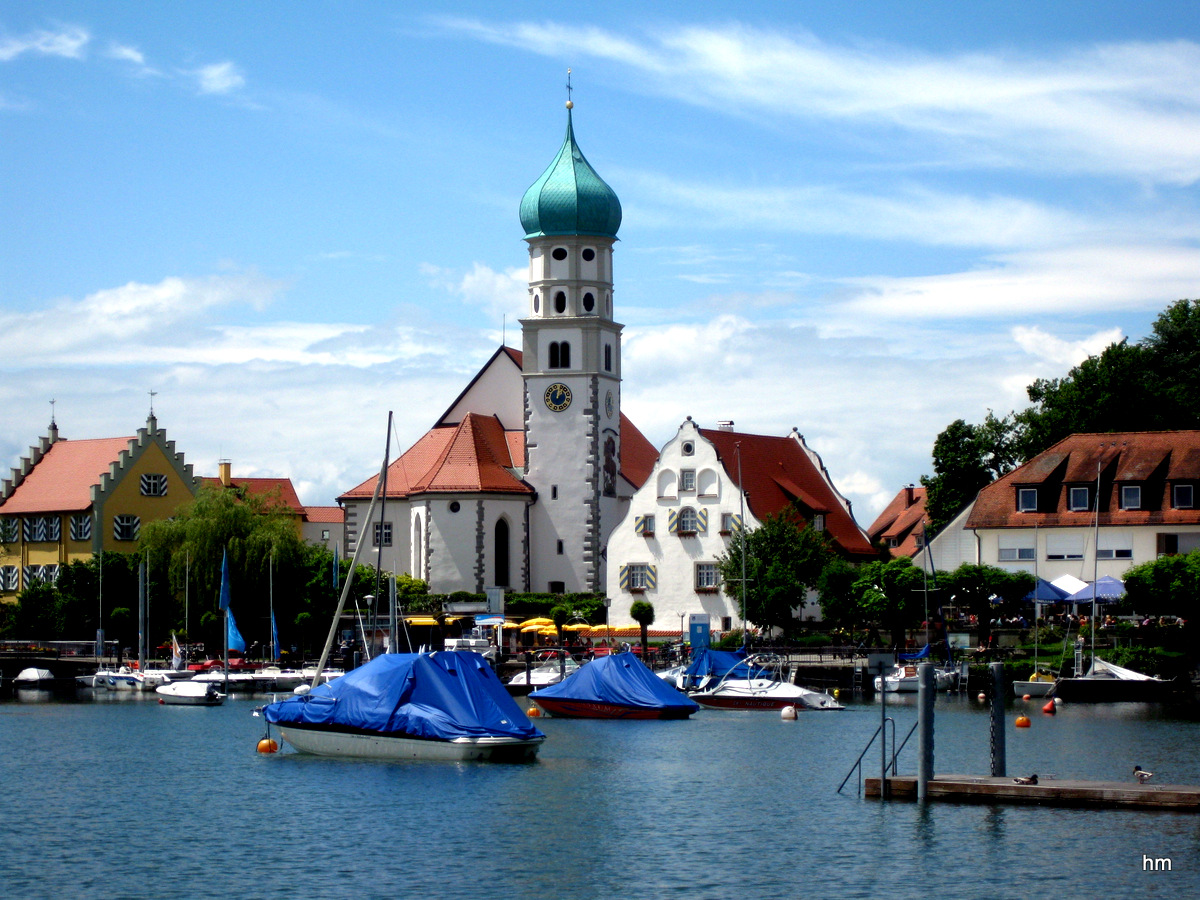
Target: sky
pixel 862 221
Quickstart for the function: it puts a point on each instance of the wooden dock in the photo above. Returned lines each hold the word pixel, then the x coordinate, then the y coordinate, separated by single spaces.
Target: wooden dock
pixel 1048 792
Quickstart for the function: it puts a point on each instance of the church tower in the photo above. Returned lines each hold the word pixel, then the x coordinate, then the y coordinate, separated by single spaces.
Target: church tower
pixel 572 372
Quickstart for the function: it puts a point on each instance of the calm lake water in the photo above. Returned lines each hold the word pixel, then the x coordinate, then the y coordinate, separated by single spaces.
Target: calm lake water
pixel 118 796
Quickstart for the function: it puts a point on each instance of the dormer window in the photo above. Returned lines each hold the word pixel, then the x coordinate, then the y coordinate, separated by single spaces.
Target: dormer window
pixel 1131 496
pixel 1027 499
pixel 1077 500
pixel 1181 496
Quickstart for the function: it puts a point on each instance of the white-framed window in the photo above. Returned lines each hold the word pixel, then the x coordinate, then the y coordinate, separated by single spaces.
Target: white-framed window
pixel 324 534
pixel 33 529
pixel 1027 500
pixel 10 578
pixel 730 522
pixel 1064 546
pixel 81 527
pixel 1077 499
pixel 708 579
pixel 382 534
pixel 1114 554
pixel 126 528
pixel 1181 496
pixel 688 522
pixel 1016 554
pixel 1114 543
pixel 154 485
pixel 1131 496
pixel 637 577
pixel 31 575
pixel 818 522
pixel 50 574
pixel 53 528
pixel 687 479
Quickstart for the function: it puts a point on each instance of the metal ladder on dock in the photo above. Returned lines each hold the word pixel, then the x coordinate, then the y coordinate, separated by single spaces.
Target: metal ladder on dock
pixel 891 765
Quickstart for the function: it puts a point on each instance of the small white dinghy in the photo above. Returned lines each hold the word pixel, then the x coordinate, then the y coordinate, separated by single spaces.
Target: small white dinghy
pixel 34 678
pixel 189 693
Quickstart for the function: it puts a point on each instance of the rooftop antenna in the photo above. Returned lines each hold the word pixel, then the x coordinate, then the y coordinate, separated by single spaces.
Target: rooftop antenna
pixel 52 402
pixel 153 394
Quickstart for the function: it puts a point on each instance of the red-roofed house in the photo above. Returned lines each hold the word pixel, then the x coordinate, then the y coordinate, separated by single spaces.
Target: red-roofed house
pixel 70 499
pixel 665 550
pixel 901 526
pixel 1044 513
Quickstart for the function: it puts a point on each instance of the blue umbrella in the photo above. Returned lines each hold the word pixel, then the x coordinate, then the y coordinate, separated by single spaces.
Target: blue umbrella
pixel 1105 590
pixel 1045 592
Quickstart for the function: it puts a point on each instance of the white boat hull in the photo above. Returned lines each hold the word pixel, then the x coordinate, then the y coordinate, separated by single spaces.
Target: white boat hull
pixel 189 693
pixel 1032 688
pixel 326 742
pixel 759 693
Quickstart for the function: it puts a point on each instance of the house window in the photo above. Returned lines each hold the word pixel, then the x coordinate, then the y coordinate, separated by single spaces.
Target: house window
pixel 52 526
pixel 1017 554
pixel 687 448
pixel 154 485
pixel 687 480
pixel 81 527
pixel 730 522
pixel 1114 543
pixel 1181 496
pixel 644 525
pixel 554 492
pixel 1114 554
pixel 50 574
pixel 1064 546
pixel 383 534
pixel 9 529
pixel 558 587
pixel 707 577
pixel 10 578
pixel 324 534
pixel 639 576
pixel 726 623
pixel 126 528
pixel 1131 496
pixel 818 522
pixel 689 522
pixel 33 529
pixel 1027 499
pixel 1078 499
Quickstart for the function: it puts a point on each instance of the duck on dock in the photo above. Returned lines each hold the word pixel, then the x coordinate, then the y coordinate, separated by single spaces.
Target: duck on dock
pixel 1142 775
pixel 1026 779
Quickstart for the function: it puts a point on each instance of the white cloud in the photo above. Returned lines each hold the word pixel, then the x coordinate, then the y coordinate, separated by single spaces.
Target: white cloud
pixel 68 43
pixel 1038 343
pixel 218 78
pixel 497 294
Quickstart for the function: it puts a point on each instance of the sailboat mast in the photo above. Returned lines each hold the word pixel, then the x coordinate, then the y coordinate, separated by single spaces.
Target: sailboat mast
pixel 1095 562
pixel 387 452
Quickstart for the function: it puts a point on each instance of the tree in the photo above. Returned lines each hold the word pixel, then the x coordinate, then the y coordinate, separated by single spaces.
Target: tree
pixel 980 588
pixel 889 593
pixel 784 558
pixel 1166 587
pixel 966 458
pixel 560 615
pixel 642 612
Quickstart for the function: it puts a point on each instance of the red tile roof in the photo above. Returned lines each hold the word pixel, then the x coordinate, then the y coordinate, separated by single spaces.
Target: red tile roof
pixel 638 455
pixel 780 470
pixel 901 522
pixel 334 514
pixel 62 480
pixel 262 487
pixel 1153 460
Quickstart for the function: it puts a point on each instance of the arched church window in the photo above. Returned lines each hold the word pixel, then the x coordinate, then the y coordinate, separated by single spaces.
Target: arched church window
pixel 560 302
pixel 589 301
pixel 560 355
pixel 501 553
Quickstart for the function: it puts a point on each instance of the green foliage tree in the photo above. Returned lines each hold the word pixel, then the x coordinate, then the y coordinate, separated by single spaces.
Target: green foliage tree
pixel 890 594
pixel 981 588
pixel 1166 587
pixel 966 458
pixel 642 612
pixel 784 559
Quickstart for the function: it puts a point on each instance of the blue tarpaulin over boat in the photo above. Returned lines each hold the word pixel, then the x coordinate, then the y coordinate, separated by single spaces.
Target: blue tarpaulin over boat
pixel 436 696
pixel 621 680
pixel 714 663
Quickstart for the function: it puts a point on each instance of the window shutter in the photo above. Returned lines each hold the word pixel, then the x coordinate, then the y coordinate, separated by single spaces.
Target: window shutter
pixel 624 579
pixel 651 577
pixel 702 521
pixel 673 520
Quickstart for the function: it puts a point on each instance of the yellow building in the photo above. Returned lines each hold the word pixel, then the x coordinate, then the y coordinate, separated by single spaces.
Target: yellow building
pixel 68 500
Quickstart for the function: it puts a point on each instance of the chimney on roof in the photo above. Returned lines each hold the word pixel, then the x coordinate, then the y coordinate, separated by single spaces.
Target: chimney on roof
pixel 909 492
pixel 725 425
pixel 225 471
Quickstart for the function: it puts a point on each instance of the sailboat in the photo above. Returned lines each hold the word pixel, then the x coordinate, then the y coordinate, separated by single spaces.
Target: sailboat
pixel 446 705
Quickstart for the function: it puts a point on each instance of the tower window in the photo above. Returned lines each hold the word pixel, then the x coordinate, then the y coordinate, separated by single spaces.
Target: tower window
pixel 608 357
pixel 560 548
pixel 560 355
pixel 455 506
pixel 560 302
pixel 537 301
pixel 588 254
pixel 560 253
pixel 589 302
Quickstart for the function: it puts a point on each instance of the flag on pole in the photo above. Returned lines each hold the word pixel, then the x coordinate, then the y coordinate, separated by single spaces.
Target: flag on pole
pixel 233 637
pixel 274 637
pixel 225 580
pixel 176 653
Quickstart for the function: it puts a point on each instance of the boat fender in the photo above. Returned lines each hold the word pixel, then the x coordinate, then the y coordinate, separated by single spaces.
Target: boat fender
pixel 982 696
pixel 1058 701
pixel 1026 696
pixel 1050 708
pixel 267 745
pixel 1023 721
pixel 161 701
pixel 788 712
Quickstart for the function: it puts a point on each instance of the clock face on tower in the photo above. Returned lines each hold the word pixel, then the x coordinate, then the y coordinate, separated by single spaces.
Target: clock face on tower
pixel 558 397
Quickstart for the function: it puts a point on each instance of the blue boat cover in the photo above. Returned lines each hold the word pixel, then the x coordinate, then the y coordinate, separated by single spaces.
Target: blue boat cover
pixel 436 696
pixel 711 662
pixel 622 680
pixel 923 653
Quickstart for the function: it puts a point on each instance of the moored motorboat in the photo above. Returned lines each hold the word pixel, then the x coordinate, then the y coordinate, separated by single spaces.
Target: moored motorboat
pixel 447 705
pixel 759 683
pixel 189 693
pixel 903 678
pixel 34 677
pixel 556 666
pixel 614 687
pixel 1040 683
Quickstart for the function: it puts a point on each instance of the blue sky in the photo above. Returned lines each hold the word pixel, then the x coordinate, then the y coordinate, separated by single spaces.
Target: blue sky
pixel 859 220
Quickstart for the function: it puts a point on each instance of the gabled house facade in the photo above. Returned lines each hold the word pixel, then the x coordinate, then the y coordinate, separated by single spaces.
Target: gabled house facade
pixel 69 499
pixel 683 518
pixel 901 526
pixel 1093 505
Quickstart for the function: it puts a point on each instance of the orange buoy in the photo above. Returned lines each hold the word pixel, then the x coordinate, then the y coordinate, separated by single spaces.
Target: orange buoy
pixel 534 712
pixel 1027 697
pixel 267 745
pixel 1050 708
pixel 1023 721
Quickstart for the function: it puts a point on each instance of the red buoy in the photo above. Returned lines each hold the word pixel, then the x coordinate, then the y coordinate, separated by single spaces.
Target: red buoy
pixel 1049 708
